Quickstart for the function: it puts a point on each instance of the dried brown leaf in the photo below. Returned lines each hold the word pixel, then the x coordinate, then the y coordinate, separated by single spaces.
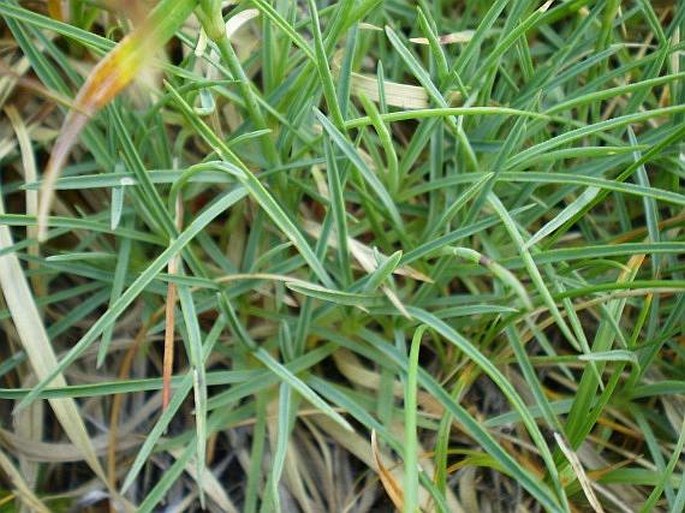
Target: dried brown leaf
pixel 463 36
pixel 579 471
pixel 391 485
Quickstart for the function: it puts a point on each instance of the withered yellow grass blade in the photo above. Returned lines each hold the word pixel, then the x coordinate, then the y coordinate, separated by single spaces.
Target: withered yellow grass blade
pixel 35 342
pixel 463 36
pixel 112 74
pixel 41 355
pixel 404 96
pixel 21 488
pixel 579 471
pixel 170 318
pixel 55 10
pixel 392 486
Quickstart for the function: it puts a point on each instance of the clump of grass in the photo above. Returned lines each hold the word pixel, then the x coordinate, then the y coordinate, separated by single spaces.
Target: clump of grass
pixel 385 255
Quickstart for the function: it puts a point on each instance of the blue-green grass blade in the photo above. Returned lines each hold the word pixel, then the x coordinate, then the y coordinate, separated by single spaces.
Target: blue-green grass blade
pixel 133 291
pixel 369 176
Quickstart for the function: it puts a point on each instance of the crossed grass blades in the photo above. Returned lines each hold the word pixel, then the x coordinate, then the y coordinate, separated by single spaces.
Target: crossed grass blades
pixel 356 256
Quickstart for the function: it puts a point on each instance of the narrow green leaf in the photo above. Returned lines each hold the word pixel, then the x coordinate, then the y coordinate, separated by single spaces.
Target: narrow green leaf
pixel 617 355
pixel 130 294
pixel 371 179
pixel 499 379
pixel 234 167
pixel 333 296
pixel 385 267
pixel 277 368
pixel 323 68
pixel 281 23
pixel 199 380
pixel 411 464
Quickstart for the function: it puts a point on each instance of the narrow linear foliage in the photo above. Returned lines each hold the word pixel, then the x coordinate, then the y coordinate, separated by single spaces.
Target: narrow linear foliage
pixel 342 256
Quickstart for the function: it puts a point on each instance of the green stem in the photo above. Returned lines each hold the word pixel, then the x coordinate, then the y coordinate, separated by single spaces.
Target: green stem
pixel 213 24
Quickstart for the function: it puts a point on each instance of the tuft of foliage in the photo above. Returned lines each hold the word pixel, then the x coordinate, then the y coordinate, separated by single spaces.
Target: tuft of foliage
pixel 347 256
